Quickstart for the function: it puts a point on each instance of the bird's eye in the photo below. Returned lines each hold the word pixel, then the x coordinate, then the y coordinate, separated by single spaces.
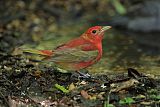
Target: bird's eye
pixel 94 31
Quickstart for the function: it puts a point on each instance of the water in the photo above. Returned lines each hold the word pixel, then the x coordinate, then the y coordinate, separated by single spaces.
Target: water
pixel 121 52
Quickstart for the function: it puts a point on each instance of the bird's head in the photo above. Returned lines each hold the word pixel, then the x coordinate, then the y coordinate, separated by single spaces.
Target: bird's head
pixel 95 34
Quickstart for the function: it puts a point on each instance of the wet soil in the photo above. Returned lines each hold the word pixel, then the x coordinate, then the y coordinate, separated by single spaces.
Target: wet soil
pixel 26 83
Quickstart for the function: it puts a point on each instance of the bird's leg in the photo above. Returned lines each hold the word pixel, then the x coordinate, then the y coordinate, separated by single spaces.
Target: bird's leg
pixel 83 75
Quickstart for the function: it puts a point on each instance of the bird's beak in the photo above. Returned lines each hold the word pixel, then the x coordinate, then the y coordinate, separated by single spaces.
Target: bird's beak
pixel 104 28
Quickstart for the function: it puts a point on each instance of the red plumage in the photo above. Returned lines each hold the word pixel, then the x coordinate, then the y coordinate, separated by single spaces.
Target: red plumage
pixel 78 53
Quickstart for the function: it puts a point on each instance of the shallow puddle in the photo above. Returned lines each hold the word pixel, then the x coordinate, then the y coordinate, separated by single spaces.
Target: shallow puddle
pixel 121 52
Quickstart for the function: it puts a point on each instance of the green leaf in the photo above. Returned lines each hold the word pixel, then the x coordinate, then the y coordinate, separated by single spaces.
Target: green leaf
pixel 61 70
pixel 157 97
pixel 118 6
pixel 127 100
pixel 62 88
pixel 108 105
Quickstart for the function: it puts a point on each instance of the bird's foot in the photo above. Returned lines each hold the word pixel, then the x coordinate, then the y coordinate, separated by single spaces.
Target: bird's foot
pixel 83 75
pixel 86 76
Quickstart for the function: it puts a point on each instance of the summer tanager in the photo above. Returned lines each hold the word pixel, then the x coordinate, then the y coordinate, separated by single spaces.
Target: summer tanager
pixel 78 53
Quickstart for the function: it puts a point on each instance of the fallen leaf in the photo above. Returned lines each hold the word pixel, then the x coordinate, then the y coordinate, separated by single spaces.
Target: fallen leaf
pixel 85 94
pixel 71 87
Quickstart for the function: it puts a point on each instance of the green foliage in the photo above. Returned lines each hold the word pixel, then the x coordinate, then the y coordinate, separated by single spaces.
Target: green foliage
pixel 62 88
pixel 156 97
pixel 118 6
pixel 153 91
pixel 127 100
pixel 106 104
pixel 154 94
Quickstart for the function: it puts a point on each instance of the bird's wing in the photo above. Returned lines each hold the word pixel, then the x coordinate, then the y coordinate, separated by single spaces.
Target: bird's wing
pixel 72 55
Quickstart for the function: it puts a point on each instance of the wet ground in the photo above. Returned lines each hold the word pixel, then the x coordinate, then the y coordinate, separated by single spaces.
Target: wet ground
pixel 127 75
pixel 26 83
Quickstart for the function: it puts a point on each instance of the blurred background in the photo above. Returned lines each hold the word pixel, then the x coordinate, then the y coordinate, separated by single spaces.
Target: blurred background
pixel 134 40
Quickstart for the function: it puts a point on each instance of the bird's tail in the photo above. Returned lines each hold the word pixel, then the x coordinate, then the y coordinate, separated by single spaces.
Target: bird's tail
pixel 38 52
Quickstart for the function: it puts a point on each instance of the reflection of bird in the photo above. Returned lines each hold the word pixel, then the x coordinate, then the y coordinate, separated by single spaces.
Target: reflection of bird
pixel 78 53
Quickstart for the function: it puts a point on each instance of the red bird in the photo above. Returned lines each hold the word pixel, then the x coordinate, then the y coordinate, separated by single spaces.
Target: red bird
pixel 78 53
